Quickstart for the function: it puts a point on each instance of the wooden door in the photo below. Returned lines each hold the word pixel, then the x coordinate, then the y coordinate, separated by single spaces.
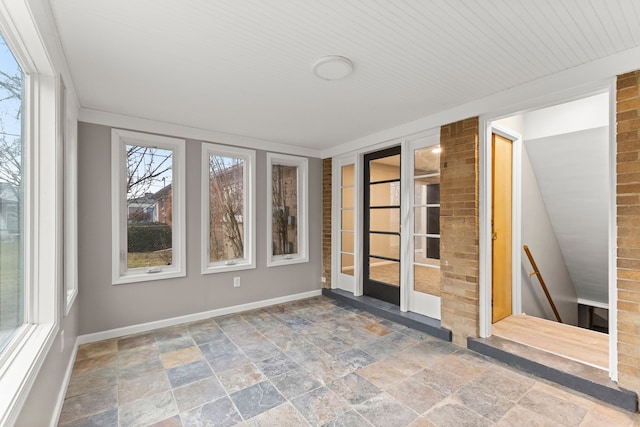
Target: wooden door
pixel 501 227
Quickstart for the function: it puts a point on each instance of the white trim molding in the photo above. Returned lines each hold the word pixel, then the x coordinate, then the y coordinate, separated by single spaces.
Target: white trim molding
pixel 613 235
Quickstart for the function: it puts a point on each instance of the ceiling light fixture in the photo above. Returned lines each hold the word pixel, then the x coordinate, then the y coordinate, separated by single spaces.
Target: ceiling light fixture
pixel 332 67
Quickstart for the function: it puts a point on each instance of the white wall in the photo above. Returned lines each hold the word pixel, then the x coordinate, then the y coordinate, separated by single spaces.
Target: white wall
pixel 587 113
pixel 538 234
pixel 573 175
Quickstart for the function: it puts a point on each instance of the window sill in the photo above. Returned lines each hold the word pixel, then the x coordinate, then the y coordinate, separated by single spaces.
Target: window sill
pixel 282 260
pixel 22 369
pixel 222 268
pixel 144 276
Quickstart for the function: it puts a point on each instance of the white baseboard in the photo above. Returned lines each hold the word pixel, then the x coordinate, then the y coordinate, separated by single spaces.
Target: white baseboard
pixel 57 411
pixel 145 327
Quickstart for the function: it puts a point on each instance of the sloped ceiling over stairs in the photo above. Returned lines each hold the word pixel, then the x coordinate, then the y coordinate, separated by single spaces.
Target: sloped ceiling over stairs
pixel 571 165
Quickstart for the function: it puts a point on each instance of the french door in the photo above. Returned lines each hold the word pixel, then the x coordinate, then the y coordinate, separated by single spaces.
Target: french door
pixel 381 225
pixel 424 226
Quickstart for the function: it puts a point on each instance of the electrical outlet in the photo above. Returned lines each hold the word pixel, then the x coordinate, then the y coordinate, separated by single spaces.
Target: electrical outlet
pixel 236 282
pixel 61 341
pixel 323 279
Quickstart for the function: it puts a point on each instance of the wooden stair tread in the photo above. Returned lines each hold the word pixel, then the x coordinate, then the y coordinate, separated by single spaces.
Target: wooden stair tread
pixel 582 345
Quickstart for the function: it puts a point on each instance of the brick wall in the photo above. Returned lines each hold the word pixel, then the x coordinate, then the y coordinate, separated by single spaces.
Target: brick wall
pixel 459 259
pixel 628 236
pixel 326 221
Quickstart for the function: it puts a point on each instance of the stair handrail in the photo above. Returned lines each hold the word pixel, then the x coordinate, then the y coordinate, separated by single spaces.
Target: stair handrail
pixel 541 281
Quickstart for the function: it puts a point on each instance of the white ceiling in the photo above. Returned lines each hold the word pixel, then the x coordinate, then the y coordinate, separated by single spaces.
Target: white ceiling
pixel 244 66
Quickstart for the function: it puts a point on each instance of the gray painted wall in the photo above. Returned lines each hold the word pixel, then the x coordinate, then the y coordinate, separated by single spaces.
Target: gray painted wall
pixel 538 234
pixel 104 306
pixel 39 407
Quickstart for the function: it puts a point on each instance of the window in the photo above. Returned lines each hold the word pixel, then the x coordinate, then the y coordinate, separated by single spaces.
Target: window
pixel 148 207
pixel 31 206
pixel 12 200
pixel 287 209
pixel 228 203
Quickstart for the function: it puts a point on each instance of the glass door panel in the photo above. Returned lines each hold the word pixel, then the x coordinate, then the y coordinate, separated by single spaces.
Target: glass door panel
pixel 347 197
pixel 381 218
pixel 385 219
pixel 347 220
pixel 426 220
pixel 347 241
pixel 385 168
pixel 346 264
pixel 385 271
pixel 384 246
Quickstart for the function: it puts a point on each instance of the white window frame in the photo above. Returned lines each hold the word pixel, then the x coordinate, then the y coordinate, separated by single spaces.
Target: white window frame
pixel 120 274
pixel 249 206
pixel 69 135
pixel 302 164
pixel 22 359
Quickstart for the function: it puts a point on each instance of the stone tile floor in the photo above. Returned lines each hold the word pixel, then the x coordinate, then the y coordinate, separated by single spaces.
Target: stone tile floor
pixel 311 362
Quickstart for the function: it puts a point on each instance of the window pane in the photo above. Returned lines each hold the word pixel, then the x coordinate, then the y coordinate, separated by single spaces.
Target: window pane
pixel 423 192
pixel 420 220
pixel 385 168
pixel 347 175
pixel 426 280
pixel 433 220
pixel 226 208
pixel 433 194
pixel 387 194
pixel 149 206
pixel 284 185
pixel 420 245
pixel 347 264
pixel 384 271
pixel 347 241
pixel 347 219
pixel 427 161
pixel 385 245
pixel 347 198
pixel 433 247
pixel 385 220
pixel 11 196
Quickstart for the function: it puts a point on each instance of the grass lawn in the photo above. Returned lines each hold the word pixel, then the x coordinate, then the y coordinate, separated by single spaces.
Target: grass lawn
pixel 10 298
pixel 148 259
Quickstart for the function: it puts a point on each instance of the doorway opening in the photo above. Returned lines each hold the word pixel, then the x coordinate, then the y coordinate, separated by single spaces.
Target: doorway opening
pixel 562 212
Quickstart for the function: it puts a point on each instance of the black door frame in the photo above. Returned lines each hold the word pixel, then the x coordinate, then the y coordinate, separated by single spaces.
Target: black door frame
pixel 370 287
